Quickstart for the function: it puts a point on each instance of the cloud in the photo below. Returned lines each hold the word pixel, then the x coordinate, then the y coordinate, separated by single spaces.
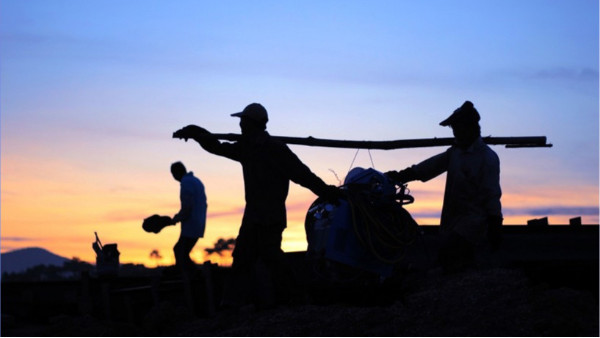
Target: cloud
pixel 125 216
pixel 426 214
pixel 25 38
pixel 13 243
pixel 301 206
pixel 17 239
pixel 553 210
pixel 224 213
pixel 561 73
pixel 117 216
pixel 534 211
pixel 116 132
pixel 537 211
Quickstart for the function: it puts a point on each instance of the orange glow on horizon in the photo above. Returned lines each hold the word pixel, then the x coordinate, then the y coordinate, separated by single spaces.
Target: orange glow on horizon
pixel 59 209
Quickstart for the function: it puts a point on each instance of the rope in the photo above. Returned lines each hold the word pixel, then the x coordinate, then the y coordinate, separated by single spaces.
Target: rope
pixel 372 164
pixel 382 239
pixel 352 163
pixel 354 159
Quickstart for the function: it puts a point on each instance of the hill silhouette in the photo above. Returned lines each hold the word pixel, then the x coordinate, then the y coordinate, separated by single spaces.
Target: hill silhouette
pixel 22 259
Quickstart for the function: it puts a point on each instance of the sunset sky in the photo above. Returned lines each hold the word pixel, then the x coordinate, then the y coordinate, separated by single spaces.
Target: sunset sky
pixel 91 92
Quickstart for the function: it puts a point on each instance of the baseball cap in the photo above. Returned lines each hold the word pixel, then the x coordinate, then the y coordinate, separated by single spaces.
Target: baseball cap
pixel 463 114
pixel 254 111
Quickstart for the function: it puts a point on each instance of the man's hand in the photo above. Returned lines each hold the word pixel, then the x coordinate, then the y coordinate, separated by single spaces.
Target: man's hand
pixel 191 131
pixel 332 194
pixel 402 176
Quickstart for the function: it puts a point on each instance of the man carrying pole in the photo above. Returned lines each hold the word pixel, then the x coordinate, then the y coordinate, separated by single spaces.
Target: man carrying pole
pixel 472 208
pixel 268 166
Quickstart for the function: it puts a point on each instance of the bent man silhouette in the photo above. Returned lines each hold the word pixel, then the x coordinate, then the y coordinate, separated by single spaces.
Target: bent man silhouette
pixel 268 166
pixel 471 209
pixel 192 215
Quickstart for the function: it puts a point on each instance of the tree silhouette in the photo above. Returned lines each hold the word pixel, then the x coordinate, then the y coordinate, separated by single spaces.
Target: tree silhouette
pixel 155 255
pixel 223 249
pixel 221 245
pixel 70 270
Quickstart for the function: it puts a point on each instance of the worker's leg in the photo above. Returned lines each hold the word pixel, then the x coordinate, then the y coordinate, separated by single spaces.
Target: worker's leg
pixel 182 250
pixel 456 253
pixel 239 288
pixel 284 285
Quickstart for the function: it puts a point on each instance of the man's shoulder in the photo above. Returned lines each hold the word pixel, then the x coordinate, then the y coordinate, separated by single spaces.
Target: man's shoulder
pixel 485 147
pixel 489 154
pixel 275 144
pixel 478 148
pixel 189 178
pixel 481 146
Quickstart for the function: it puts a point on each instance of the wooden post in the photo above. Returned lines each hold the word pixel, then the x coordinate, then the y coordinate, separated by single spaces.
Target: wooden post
pixel 106 299
pixel 209 290
pixel 154 289
pixel 187 291
pixel 85 299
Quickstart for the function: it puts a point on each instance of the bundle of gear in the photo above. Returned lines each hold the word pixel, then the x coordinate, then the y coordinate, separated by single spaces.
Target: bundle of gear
pixel 367 232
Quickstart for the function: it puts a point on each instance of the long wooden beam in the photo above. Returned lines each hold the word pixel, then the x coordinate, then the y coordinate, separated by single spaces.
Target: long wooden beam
pixel 509 142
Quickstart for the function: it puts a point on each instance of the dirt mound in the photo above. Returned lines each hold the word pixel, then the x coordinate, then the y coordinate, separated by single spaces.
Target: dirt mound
pixel 495 302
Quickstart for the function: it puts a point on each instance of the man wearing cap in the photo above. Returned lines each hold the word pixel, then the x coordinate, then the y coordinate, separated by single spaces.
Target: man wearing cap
pixel 471 210
pixel 268 166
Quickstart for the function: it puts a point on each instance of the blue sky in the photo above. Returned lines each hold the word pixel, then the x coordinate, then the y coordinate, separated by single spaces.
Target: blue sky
pixel 92 90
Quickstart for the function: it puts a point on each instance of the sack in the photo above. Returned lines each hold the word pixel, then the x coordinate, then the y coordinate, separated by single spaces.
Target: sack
pixel 368 230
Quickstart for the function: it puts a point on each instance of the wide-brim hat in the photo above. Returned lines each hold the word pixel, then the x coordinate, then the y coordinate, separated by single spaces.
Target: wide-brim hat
pixel 465 114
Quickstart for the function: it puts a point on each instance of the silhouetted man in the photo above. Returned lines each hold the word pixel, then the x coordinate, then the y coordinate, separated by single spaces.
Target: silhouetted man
pixel 268 166
pixel 192 215
pixel 471 209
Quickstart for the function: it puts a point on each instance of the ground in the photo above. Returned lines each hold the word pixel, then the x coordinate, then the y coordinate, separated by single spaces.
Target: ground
pixel 490 302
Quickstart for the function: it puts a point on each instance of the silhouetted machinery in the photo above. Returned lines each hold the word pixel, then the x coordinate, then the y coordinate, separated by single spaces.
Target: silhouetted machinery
pixel 365 234
pixel 107 258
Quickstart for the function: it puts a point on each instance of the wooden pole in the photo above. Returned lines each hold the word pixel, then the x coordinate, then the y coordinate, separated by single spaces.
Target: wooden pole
pixel 509 142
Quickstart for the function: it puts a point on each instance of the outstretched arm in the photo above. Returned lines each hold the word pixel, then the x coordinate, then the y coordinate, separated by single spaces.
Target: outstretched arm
pixel 194 132
pixel 424 171
pixel 300 173
pixel 210 144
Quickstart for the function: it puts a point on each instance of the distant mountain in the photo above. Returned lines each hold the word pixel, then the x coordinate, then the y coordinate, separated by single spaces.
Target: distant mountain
pixel 23 259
